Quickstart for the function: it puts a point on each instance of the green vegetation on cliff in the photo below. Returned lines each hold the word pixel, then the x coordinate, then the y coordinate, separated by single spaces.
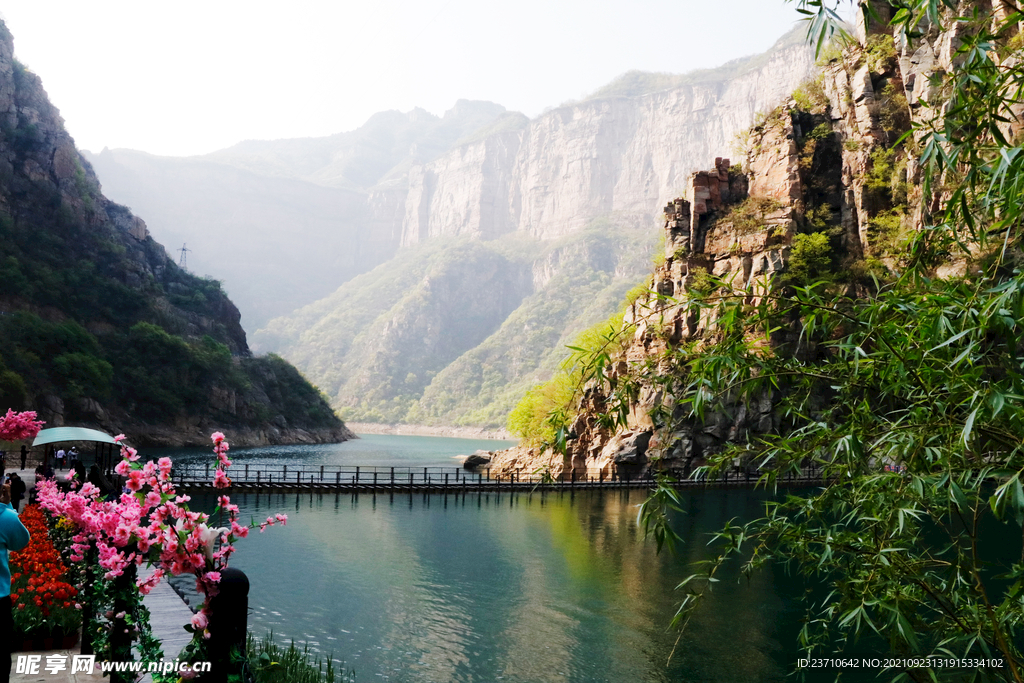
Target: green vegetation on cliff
pixel 453 332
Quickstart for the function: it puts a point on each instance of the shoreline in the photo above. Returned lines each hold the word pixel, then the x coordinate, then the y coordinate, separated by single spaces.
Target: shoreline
pixel 427 430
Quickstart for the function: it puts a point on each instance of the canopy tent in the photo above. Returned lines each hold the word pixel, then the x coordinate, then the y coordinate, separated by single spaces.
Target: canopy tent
pixel 104 442
pixel 61 434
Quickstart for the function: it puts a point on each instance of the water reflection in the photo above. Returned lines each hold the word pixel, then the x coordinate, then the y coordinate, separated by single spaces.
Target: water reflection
pixel 483 587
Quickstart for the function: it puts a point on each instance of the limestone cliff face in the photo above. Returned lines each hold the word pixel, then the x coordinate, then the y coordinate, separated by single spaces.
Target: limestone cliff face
pixel 626 155
pixel 834 171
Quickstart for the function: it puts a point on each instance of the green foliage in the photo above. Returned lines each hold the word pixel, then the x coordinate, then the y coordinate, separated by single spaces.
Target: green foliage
pixel 81 374
pixel 13 393
pixel 810 96
pixel 541 416
pixel 894 111
pixel 749 215
pixel 269 662
pixel 290 393
pixel 820 132
pixel 541 412
pixel 886 176
pixel 880 53
pixel 810 259
pixel 832 51
pixel 888 231
pixel 700 281
pixel 819 217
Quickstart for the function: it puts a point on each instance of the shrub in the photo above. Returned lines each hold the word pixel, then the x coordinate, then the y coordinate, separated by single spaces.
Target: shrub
pixel 886 230
pixel 810 96
pixel 895 111
pixel 749 215
pixel 880 53
pixel 810 258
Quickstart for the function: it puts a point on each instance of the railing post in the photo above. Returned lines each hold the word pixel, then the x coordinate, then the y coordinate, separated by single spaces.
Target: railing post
pixel 357 475
pixel 375 479
pixel 321 472
pixel 228 622
pixel 337 478
pixel 392 477
pixel 207 475
pixel 445 481
pixel 247 472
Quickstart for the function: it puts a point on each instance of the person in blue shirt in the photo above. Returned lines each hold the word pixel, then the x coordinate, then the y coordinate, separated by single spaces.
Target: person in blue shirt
pixel 13 536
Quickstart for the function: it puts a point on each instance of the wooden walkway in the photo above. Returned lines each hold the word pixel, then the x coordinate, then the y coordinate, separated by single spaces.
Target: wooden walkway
pixel 168 615
pixel 262 479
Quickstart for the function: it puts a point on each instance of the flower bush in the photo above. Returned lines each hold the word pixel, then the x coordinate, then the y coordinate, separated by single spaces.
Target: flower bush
pixel 18 426
pixel 149 523
pixel 44 602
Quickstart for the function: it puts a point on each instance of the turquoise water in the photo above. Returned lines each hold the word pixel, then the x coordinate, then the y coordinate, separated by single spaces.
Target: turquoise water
pixel 382 450
pixel 477 588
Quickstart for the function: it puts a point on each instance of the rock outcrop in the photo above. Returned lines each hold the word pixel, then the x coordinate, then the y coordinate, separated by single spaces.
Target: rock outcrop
pixel 832 166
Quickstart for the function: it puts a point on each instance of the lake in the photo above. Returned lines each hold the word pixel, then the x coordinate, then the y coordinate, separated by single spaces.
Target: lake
pixel 501 587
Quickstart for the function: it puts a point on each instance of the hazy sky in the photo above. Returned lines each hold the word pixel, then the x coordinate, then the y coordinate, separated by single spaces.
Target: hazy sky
pixel 190 77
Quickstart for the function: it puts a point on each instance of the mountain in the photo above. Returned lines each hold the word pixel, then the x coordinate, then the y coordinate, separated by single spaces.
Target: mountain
pixel 544 223
pixel 817 218
pixel 284 223
pixel 99 327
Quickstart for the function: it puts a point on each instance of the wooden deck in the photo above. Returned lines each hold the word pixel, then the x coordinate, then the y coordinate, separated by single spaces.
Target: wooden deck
pixel 263 479
pixel 168 615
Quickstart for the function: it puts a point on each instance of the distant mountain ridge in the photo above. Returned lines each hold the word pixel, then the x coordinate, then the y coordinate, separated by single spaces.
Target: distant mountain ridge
pixel 425 190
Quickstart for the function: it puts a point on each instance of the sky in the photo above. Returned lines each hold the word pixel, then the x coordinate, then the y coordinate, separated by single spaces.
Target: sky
pixel 187 77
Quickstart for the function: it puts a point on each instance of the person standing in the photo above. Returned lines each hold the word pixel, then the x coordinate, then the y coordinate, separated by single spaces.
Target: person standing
pixel 13 536
pixel 60 458
pixel 24 456
pixel 17 490
pixel 73 457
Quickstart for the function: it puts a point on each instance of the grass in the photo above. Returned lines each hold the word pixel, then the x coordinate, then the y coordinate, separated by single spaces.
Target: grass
pixel 269 662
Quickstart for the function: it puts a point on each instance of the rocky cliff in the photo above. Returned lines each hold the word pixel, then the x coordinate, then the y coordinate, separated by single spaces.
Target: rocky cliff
pixel 563 203
pixel 98 326
pixel 821 198
pixel 620 154
pixel 403 178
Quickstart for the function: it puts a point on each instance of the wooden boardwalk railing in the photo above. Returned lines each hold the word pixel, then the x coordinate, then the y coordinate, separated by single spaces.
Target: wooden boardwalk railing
pixel 443 479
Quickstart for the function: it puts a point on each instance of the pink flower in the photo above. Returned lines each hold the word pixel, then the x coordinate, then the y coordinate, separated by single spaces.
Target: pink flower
pixel 281 518
pixel 217 437
pixel 199 621
pixel 119 438
pixel 220 480
pixel 18 426
pixel 135 480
